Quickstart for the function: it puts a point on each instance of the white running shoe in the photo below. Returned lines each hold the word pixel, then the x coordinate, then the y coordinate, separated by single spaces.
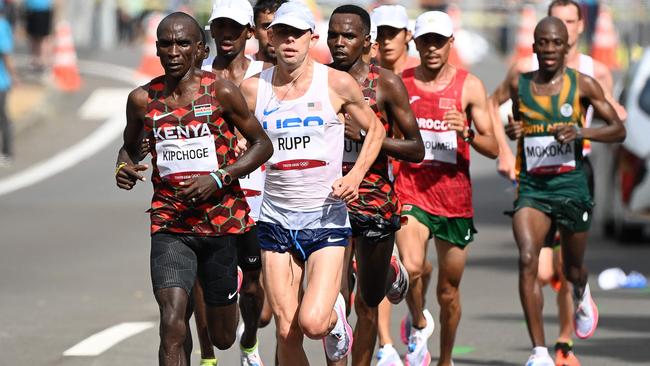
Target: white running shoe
pixel 418 351
pixel 251 357
pixel 540 358
pixel 338 343
pixel 400 286
pixel 586 315
pixel 388 356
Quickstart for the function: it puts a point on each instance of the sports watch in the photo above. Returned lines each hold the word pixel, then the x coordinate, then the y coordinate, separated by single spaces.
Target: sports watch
pixel 470 135
pixel 225 177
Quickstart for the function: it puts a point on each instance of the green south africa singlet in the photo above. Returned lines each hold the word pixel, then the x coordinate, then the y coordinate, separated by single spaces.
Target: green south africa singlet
pixel 546 168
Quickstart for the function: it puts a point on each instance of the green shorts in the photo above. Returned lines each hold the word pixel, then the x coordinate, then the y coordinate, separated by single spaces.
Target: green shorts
pixel 571 214
pixel 459 231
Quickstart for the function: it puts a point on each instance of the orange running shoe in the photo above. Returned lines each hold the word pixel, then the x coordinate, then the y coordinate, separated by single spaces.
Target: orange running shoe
pixel 564 355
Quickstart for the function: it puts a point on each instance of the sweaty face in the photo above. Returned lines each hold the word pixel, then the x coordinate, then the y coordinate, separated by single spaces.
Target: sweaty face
pixel 177 46
pixel 569 16
pixel 229 36
pixel 392 42
pixel 262 22
pixel 291 44
pixel 434 50
pixel 346 40
pixel 551 47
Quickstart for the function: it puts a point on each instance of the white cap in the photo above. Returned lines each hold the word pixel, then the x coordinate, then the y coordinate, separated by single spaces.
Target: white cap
pixel 294 14
pixel 433 22
pixel 390 15
pixel 240 11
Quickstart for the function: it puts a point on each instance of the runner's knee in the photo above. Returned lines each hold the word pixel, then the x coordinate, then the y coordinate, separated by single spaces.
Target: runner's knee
pixel 172 325
pixel 414 267
pixel 528 261
pixel 447 294
pixel 223 339
pixel 286 333
pixel 315 323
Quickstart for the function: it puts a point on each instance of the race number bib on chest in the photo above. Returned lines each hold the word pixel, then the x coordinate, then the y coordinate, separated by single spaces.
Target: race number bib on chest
pixel 544 155
pixel 179 159
pixel 440 146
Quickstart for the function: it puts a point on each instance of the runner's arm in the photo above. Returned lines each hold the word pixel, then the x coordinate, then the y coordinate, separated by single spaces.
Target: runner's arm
pixel 484 142
pixel 614 131
pixel 396 103
pixel 127 169
pixel 238 112
pixel 350 100
pixel 604 78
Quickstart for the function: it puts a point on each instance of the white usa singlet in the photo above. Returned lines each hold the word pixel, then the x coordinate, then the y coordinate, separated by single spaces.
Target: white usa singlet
pixel 585 66
pixel 307 138
pixel 252 184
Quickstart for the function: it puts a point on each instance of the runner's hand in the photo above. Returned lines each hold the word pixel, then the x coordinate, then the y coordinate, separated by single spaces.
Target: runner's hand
pixel 198 189
pixel 506 164
pixel 455 121
pixel 241 147
pixel 565 134
pixel 514 129
pixel 352 130
pixel 347 187
pixel 128 175
pixel 144 148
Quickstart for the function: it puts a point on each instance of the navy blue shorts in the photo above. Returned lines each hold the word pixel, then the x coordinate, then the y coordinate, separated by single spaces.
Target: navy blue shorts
pixel 302 243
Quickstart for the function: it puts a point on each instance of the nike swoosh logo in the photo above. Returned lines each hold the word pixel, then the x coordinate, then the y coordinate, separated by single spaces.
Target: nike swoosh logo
pixel 266 113
pixel 230 296
pixel 330 240
pixel 414 99
pixel 159 116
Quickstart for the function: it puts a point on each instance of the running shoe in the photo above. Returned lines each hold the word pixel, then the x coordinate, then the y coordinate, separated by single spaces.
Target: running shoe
pixel 405 329
pixel 338 343
pixel 564 355
pixel 400 286
pixel 418 351
pixel 251 356
pixel 586 315
pixel 209 362
pixel 540 360
pixel 388 356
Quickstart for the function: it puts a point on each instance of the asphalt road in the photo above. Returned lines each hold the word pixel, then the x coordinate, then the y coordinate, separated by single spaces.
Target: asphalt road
pixel 75 262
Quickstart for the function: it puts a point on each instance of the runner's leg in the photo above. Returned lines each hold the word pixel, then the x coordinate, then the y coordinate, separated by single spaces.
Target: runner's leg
pixel 573 251
pixel 374 272
pixel 564 301
pixel 412 242
pixel 365 332
pixel 282 281
pixel 451 263
pixel 530 226
pixel 172 303
pixel 207 351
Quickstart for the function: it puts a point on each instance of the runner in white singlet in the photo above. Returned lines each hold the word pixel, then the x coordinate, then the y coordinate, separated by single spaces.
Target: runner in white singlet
pixel 304 226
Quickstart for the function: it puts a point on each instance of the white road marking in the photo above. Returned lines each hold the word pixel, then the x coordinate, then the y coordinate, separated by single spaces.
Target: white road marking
pixel 100 104
pixel 97 343
pixel 85 148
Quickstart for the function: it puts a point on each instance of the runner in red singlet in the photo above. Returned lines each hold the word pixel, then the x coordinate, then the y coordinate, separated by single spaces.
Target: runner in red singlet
pixel 437 194
pixel 198 207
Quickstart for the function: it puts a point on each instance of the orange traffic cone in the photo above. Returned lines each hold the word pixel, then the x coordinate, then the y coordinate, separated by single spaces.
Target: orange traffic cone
pixel 525 33
pixel 453 11
pixel 150 63
pixel 65 70
pixel 605 39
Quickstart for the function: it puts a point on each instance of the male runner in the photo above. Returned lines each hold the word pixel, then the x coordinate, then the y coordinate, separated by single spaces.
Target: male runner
pixel 375 215
pixel 437 194
pixel 393 36
pixel 198 207
pixel 549 107
pixel 231 25
pixel 550 264
pixel 304 225
pixel 263 12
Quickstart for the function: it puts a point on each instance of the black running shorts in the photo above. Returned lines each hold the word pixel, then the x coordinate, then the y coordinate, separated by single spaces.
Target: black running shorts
pixel 248 250
pixel 177 259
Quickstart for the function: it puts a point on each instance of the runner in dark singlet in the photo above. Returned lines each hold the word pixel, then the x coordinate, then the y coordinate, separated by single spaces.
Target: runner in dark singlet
pixel 197 207
pixel 375 216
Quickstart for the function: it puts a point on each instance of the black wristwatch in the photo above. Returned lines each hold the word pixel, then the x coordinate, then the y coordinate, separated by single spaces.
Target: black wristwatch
pixel 225 177
pixel 470 135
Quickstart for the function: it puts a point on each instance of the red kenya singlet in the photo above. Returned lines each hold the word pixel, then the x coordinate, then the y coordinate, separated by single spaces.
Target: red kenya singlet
pixel 441 184
pixel 376 194
pixel 188 142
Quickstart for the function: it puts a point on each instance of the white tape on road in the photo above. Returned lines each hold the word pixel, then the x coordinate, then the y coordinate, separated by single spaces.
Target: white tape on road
pixel 97 343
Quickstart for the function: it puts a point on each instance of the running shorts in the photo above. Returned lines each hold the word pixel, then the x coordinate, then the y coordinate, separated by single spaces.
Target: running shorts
pixel 301 243
pixel 458 231
pixel 176 260
pixel 38 23
pixel 248 250
pixel 373 227
pixel 571 214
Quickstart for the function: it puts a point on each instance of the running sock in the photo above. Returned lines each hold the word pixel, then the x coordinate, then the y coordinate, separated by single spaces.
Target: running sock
pixel 565 347
pixel 249 350
pixel 208 362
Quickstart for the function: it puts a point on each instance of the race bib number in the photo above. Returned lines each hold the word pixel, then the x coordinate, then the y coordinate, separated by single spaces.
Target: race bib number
pixel 180 159
pixel 544 155
pixel 351 150
pixel 440 146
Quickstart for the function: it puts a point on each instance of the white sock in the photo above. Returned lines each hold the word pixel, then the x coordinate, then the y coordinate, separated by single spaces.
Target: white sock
pixel 540 351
